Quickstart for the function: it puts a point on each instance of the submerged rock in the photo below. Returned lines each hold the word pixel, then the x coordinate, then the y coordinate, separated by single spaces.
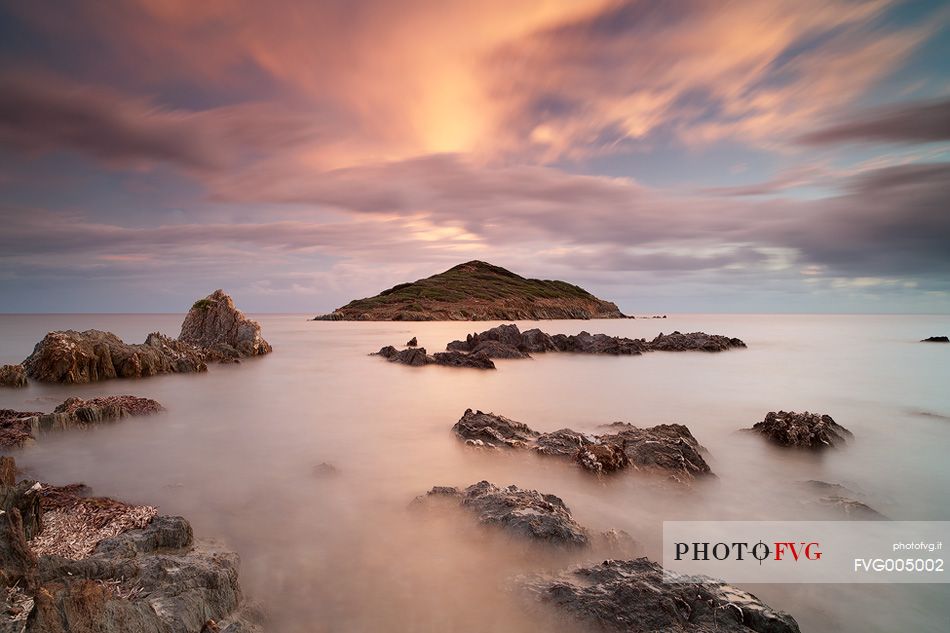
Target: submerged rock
pixel 667 449
pixel 476 360
pixel 802 430
pixel 526 513
pixel 215 325
pixel 12 376
pixel 936 339
pixel 839 499
pixel 634 596
pixel 694 341
pixel 95 564
pixel 417 357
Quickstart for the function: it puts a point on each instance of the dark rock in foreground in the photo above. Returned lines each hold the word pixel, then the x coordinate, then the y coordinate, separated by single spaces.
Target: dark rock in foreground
pixel 526 513
pixel 802 430
pixel 20 427
pixel 12 376
pixel 72 563
pixel 666 449
pixel 936 339
pixel 634 596
pixel 216 326
pixel 413 342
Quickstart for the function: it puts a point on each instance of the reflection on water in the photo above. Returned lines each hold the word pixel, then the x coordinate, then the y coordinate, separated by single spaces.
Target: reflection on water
pixel 236 449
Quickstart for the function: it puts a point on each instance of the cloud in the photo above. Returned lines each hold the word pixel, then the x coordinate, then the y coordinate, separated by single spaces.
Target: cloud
pixel 42 112
pixel 926 122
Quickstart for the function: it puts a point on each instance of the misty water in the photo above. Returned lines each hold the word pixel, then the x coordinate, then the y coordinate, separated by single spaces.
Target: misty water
pixel 236 449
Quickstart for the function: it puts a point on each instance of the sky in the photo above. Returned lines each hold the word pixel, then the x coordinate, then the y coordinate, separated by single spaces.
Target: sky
pixel 680 156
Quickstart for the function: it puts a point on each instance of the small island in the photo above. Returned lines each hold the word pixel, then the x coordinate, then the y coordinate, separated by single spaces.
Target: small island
pixel 477 291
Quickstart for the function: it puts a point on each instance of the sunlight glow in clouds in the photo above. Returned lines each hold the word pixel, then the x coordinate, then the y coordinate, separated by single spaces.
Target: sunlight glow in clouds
pixel 301 154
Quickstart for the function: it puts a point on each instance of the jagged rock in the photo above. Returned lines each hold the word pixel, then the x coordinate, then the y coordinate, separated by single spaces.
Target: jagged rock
pixel 413 342
pixel 497 349
pixel 634 596
pixel 667 449
pixel 414 357
pixel 587 343
pixel 936 339
pixel 217 326
pixel 802 430
pixel 386 352
pixel 18 428
pixel 563 442
pixel 527 513
pixel 602 458
pixel 12 376
pixel 693 341
pixel 475 360
pixel 82 357
pixel 488 429
pixel 536 341
pixel 154 579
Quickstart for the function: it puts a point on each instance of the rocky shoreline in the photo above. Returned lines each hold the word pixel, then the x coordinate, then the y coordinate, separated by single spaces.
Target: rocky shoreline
pixel 73 562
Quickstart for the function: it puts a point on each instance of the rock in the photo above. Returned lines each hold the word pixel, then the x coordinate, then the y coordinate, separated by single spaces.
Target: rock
pixel 694 341
pixel 602 458
pixel 12 376
pixel 140 580
pixel 412 342
pixel 18 428
pixel 802 430
pixel 851 509
pixel 536 341
pixel 587 343
pixel 936 339
pixel 217 326
pixel 324 470
pixel 563 443
pixel 488 429
pixel 7 471
pixel 458 359
pixel 414 357
pixel 83 357
pixel 634 596
pixel 386 352
pixel 667 449
pixel 497 349
pixel 526 513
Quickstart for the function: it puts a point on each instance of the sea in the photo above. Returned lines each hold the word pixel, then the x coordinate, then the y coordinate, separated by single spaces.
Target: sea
pixel 237 452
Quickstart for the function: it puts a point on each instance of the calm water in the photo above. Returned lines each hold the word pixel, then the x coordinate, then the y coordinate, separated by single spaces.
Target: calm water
pixel 235 451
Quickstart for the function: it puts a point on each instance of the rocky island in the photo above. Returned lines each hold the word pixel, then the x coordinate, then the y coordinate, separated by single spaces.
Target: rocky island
pixel 477 291
pixel 214 330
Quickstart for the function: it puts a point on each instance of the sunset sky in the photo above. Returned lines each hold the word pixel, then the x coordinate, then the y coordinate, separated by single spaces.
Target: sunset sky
pixel 669 156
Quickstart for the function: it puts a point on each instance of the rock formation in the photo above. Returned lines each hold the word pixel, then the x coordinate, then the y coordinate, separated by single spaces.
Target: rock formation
pixel 413 342
pixel 83 357
pixel 12 376
pixel 524 513
pixel 477 291
pixel 221 330
pixel 839 499
pixel 936 339
pixel 69 562
pixel 213 330
pixel 669 450
pixel 634 596
pixel 507 341
pixel 802 430
pixel 417 357
pixel 18 428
